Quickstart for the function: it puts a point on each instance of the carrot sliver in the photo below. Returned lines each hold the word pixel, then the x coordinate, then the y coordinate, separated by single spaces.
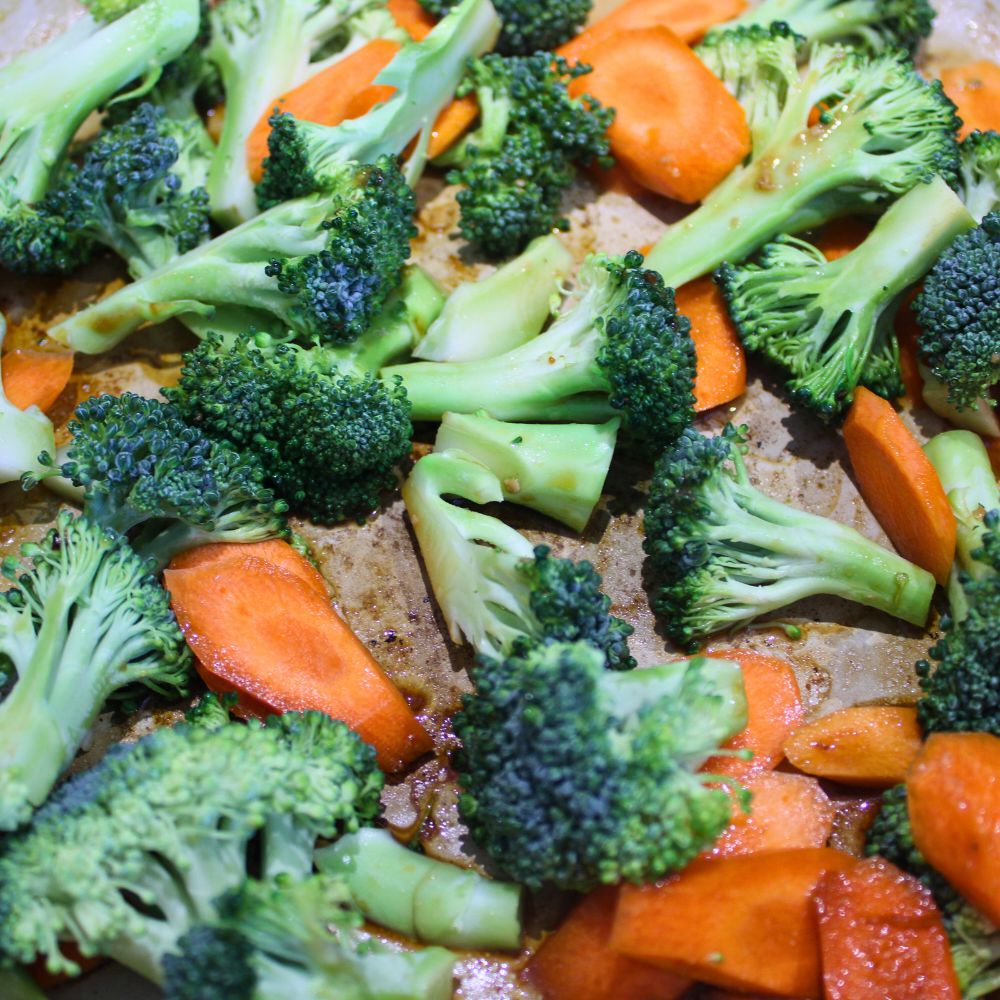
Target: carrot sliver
pixel 993 450
pixel 721 366
pixel 452 123
pixel 35 378
pixel 975 89
pixel 575 963
pixel 954 802
pixel 881 935
pixel 679 133
pixel 899 484
pixel 265 632
pixel 411 16
pixel 838 238
pixel 907 331
pixel 743 923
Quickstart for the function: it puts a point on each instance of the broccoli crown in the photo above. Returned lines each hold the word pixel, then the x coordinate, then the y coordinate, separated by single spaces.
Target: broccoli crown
pixel 211 963
pixel 958 312
pixel 521 159
pixel 574 775
pixel 529 25
pixel 125 858
pixel 162 482
pixel 37 239
pixel 329 439
pixel 979 173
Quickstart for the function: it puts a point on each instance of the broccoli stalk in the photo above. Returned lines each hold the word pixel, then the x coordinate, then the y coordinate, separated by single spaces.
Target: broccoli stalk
pixel 556 469
pixel 24 434
pixel 883 129
pixel 721 553
pixel 979 173
pixel 829 323
pixel 422 898
pixel 621 350
pixel 85 620
pixel 503 310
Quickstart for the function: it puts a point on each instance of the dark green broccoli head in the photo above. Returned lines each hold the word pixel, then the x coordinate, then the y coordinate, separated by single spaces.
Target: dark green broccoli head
pixel 38 239
pixel 959 315
pixel 979 173
pixel 329 439
pixel 529 25
pixel 574 775
pixel 211 963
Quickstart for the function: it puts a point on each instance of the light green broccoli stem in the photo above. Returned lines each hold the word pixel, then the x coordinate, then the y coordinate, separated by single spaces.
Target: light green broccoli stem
pixel 18 985
pixel 556 469
pixel 817 20
pixel 502 311
pixel 425 899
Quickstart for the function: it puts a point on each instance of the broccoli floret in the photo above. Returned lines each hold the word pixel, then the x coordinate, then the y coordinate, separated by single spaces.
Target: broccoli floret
pixel 958 312
pixel 883 129
pixel 516 165
pixel 45 95
pixel 306 156
pixel 529 25
pixel 574 775
pixel 24 434
pixel 556 469
pixel 721 553
pixel 979 173
pixel 212 710
pixel 162 483
pixel 299 939
pixel 320 266
pixel 85 620
pixel 621 350
pixel 829 323
pixel 125 858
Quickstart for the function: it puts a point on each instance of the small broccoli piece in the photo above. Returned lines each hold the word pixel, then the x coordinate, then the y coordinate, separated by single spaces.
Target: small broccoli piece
pixel 211 710
pixel 556 469
pixel 210 963
pixel 516 165
pixel 621 350
pixel 979 173
pixel 493 588
pixel 573 775
pixel 306 156
pixel 958 312
pixel 883 130
pixel 24 434
pixel 320 266
pixel 124 859
pixel 721 553
pixel 84 621
pixel 829 323
pixel 529 25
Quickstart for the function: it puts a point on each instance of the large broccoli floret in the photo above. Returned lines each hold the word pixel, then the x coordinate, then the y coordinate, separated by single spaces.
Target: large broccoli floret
pixel 320 266
pixel 721 553
pixel 24 434
pixel 516 165
pixel 979 173
pixel 829 324
pixel 883 129
pixel 529 25
pixel 574 775
pixel 493 588
pixel 125 858
pixel 621 350
pixel 85 620
pixel 959 315
pixel 306 156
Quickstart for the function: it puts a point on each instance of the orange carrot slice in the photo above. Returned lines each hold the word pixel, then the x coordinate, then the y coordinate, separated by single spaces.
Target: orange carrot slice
pixel 35 378
pixel 899 484
pixel 453 122
pixel 907 331
pixel 975 89
pixel 411 16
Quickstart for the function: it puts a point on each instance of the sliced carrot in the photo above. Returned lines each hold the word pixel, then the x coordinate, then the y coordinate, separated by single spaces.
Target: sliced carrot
pixel 744 923
pixel 899 484
pixel 774 710
pixel 975 89
pixel 453 122
pixel 907 331
pixel 721 373
pixel 681 131
pixel 267 633
pixel 411 16
pixel 786 811
pixel 575 963
pixel 838 238
pixel 881 935
pixel 868 745
pixel 714 994
pixel 954 801
pixel 993 450
pixel 35 378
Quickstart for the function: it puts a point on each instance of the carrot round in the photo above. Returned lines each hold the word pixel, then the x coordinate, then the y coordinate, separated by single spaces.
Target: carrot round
pixel 954 802
pixel 35 378
pixel 899 484
pixel 743 923
pixel 721 366
pixel 881 935
pixel 679 132
pixel 575 963
pixel 411 16
pixel 265 632
pixel 868 745
pixel 975 89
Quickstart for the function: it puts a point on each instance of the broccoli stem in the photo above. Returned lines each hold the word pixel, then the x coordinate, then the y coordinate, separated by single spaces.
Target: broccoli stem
pixel 556 469
pixel 425 899
pixel 24 434
pixel 826 21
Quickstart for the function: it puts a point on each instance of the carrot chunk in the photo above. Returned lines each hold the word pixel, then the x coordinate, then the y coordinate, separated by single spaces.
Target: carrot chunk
pixel 411 16
pixel 35 378
pixel 975 89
